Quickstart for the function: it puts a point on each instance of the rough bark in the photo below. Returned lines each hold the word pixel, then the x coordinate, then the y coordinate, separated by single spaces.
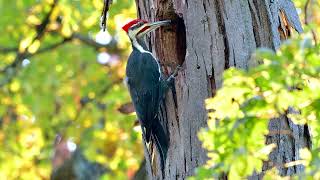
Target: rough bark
pixel 208 37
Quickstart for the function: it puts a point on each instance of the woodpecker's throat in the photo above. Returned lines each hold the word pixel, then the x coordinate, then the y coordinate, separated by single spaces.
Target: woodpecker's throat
pixel 139 45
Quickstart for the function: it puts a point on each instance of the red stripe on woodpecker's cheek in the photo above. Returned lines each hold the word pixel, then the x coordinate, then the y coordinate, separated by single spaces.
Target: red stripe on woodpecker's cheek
pixel 143 29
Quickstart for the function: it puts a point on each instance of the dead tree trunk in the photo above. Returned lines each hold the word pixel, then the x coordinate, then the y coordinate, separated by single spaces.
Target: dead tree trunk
pixel 208 37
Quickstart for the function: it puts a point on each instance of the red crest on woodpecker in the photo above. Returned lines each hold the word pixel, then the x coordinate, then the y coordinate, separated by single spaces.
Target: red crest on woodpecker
pixel 131 23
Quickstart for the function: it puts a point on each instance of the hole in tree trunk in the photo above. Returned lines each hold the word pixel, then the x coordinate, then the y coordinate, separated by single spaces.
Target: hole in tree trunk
pixel 172 48
pixel 181 39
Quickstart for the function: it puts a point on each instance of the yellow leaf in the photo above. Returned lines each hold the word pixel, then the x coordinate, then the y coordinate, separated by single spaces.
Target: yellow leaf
pixel 15 86
pixel 50 1
pixel 34 20
pixel 59 68
pixel 66 30
pixel 71 112
pixel 87 123
pixel 305 154
pixel 90 21
pixel 34 47
pixel 22 109
pixel 25 43
pixel 55 13
pixel 6 101
pixel 92 95
pixel 31 141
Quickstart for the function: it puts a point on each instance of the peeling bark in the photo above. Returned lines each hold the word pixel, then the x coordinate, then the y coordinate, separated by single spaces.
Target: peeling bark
pixel 208 37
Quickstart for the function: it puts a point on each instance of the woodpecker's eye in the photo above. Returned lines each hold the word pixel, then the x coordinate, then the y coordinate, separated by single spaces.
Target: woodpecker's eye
pixel 139 24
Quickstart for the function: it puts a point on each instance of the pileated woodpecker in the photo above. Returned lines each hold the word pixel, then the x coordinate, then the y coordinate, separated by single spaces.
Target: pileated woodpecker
pixel 146 84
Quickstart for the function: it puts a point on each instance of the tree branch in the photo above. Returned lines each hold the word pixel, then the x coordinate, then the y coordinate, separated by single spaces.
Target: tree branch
pixel 8 49
pixel 50 47
pixel 85 100
pixel 91 42
pixel 11 69
pixel 41 29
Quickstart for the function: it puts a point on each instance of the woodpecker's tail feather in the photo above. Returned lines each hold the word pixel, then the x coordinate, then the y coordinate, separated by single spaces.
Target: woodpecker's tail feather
pixel 161 141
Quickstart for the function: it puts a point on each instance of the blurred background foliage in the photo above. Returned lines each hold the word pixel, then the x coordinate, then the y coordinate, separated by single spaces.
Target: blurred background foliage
pixel 61 89
pixel 61 94
pixel 285 82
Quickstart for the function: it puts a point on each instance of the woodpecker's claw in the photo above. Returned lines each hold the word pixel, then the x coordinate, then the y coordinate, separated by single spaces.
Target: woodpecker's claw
pixel 175 73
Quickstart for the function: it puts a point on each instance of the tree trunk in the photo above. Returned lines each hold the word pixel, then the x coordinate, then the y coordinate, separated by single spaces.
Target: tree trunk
pixel 209 36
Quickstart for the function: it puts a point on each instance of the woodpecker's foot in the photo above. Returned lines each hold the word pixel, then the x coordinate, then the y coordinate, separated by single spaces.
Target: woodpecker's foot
pixel 169 82
pixel 174 74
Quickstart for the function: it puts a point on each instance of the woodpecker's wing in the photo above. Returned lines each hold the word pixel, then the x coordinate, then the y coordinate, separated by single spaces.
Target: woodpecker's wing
pixel 144 87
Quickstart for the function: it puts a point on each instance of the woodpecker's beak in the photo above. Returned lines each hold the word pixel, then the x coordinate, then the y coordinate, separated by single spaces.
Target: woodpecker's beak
pixel 157 24
pixel 148 27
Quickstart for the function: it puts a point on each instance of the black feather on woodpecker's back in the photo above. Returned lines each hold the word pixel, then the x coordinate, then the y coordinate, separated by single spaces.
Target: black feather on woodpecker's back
pixel 147 84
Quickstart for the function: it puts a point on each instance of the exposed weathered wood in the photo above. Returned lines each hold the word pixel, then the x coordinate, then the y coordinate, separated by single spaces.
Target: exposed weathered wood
pixel 209 36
